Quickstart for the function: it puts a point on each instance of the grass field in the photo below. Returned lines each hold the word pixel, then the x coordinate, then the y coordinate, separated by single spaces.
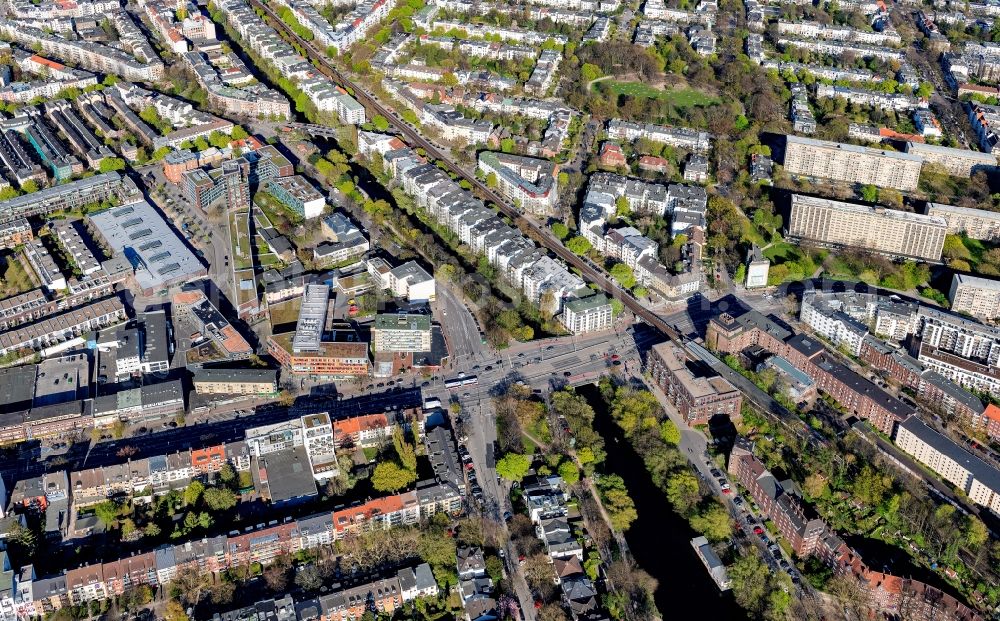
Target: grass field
pixel 679 97
pixel 781 252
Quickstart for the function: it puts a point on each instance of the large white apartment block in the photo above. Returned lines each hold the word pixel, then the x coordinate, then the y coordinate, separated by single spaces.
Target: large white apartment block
pixel 958 162
pixel 852 164
pixel 889 232
pixel 976 223
pixel 589 314
pixel 978 479
pixel 979 297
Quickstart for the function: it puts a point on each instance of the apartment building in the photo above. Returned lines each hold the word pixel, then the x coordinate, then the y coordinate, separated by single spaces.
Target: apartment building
pixel 840 48
pixel 517 258
pixel 64 326
pixel 958 162
pixel 209 381
pixel 526 182
pixel 330 360
pixel 978 479
pixel 68 196
pixel 227 185
pixel 778 502
pixel 960 349
pixel 979 297
pixel 345 240
pixel 589 314
pixel 824 316
pixel 408 280
pixel 894 233
pixel 976 223
pixel 985 120
pixel 453 125
pixel 850 163
pixel 298 195
pixel 145 66
pixel 934 390
pixel 729 334
pixel 875 99
pixel 856 394
pixel 401 332
pixel 816 30
pixel 696 392
pixel 683 137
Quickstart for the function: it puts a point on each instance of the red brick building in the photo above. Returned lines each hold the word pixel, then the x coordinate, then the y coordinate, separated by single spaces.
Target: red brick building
pixel 697 395
pixel 802 532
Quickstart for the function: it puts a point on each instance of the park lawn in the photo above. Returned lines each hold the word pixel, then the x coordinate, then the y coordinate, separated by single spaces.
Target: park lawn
pixel 781 252
pixel 679 97
pixel 977 248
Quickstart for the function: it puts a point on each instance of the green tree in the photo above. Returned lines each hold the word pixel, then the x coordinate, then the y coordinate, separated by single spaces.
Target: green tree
pixel 491 180
pixel 623 274
pixel 560 230
pixel 975 532
pixel 227 474
pixel 617 502
pixel 617 307
pixel 8 193
pixel 955 248
pixel 160 153
pixel 513 466
pixel 869 193
pixel 589 72
pixel 622 207
pixel 713 521
pixel 29 186
pixel 175 612
pixel 110 164
pixel 579 245
pixel 569 472
pixel 219 140
pixel 670 433
pixel 682 491
pixel 438 550
pixel 507 145
pixel 346 187
pixel 404 450
pixel 106 512
pixel 390 476
pixel 749 582
pixel 380 122
pixel 193 492
pixel 239 133
pixel 219 499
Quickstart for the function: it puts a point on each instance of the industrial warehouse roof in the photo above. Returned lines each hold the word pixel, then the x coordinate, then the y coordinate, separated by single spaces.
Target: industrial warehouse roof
pixel 156 253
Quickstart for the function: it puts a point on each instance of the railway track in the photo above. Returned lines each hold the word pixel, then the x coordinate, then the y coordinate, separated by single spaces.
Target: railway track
pixel 414 139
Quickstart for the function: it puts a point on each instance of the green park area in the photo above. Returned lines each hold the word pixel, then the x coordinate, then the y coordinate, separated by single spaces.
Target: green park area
pixel 678 97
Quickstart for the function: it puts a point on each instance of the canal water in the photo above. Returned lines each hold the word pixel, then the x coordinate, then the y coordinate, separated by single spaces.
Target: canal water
pixel 659 539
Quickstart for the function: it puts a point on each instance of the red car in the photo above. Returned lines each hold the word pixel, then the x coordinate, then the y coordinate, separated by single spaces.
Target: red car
pixel 727 491
pixel 757 530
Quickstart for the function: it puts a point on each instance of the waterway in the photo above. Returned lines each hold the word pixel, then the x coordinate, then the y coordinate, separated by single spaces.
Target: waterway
pixel 659 539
